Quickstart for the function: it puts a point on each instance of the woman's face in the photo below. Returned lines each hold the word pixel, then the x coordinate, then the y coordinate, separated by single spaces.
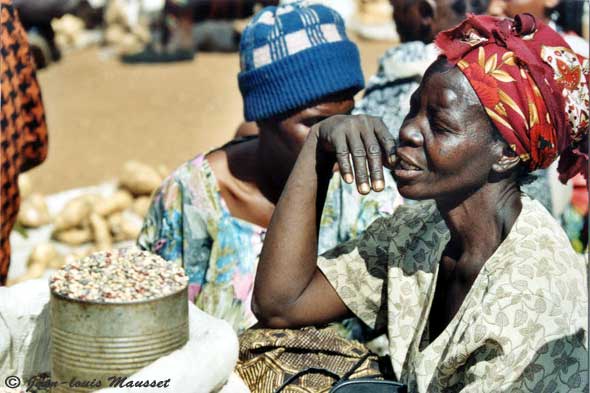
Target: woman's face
pixel 446 146
pixel 283 139
pixel 294 129
pixel 408 20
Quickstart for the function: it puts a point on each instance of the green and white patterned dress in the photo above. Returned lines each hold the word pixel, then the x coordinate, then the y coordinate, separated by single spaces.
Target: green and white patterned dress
pixel 523 326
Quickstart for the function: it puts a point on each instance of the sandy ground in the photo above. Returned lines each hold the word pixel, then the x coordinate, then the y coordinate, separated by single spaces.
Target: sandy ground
pixel 101 113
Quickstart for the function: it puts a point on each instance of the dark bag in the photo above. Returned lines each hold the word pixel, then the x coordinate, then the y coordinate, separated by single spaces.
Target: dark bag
pixel 346 385
pixel 369 385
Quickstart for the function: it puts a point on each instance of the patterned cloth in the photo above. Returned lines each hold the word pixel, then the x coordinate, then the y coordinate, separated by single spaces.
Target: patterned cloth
pixel 531 84
pixel 293 55
pixel 24 132
pixel 190 224
pixel 388 95
pixel 523 325
pixel 269 357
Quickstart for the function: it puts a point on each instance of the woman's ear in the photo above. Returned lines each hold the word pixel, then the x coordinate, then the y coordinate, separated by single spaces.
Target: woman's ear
pixel 507 161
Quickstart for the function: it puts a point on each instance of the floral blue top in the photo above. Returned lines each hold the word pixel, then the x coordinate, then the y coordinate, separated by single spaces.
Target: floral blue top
pixel 189 223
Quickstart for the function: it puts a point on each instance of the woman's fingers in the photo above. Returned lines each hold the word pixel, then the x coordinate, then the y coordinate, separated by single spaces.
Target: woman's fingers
pixel 343 159
pixel 367 141
pixel 358 152
pixel 342 155
pixel 374 154
pixel 387 141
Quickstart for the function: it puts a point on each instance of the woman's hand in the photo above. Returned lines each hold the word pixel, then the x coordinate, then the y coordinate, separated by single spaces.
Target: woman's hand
pixel 366 140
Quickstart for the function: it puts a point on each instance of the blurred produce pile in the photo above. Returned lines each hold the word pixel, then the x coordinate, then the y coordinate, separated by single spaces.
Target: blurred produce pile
pixel 92 221
pixel 126 25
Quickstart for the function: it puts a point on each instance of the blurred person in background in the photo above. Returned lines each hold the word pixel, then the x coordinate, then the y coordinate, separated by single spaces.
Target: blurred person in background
pixel 174 39
pixel 36 16
pixel 297 68
pixel 563 16
pixel 24 130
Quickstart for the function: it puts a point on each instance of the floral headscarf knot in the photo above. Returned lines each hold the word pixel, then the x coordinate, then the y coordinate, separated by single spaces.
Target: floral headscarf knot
pixel 532 85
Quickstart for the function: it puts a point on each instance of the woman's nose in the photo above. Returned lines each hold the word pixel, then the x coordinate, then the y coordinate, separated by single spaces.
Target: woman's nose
pixel 410 135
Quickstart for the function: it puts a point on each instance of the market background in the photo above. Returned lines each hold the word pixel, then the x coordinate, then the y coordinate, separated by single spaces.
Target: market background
pixel 114 126
pixel 103 114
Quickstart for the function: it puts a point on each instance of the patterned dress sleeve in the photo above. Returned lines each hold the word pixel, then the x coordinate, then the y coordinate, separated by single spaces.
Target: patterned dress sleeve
pixel 182 222
pixel 347 214
pixel 162 230
pixel 536 340
pixel 357 270
pixel 558 365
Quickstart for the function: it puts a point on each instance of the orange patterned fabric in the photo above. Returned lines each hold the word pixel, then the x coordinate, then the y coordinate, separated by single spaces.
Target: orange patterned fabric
pixel 532 85
pixel 24 131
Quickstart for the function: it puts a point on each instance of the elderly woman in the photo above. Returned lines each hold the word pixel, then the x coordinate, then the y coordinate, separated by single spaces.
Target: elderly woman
pixel 478 290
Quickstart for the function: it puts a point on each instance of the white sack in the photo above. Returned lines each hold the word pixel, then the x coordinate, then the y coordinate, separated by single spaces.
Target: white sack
pixel 203 365
pixel 24 329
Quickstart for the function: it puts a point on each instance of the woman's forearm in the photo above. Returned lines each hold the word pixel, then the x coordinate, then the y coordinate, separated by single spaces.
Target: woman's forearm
pixel 288 259
pixel 289 289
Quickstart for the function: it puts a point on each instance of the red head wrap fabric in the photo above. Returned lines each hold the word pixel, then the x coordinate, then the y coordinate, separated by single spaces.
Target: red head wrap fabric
pixel 532 85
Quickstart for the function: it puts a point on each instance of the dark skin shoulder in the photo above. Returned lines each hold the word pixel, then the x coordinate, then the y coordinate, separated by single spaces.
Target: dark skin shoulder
pixel 235 168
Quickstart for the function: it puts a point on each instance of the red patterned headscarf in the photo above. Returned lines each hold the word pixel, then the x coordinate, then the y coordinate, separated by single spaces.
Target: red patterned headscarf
pixel 532 85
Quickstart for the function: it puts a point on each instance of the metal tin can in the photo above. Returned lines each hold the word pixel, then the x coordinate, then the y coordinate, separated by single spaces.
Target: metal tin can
pixel 92 342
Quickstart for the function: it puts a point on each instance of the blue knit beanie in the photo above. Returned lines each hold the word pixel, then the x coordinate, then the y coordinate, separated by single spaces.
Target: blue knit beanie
pixel 294 55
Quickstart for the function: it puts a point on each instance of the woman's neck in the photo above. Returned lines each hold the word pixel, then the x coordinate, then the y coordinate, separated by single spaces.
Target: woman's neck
pixel 272 173
pixel 480 222
pixel 237 171
pixel 256 171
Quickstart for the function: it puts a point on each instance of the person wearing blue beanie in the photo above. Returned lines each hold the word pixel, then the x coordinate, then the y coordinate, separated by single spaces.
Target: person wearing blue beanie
pixel 298 67
pixel 292 56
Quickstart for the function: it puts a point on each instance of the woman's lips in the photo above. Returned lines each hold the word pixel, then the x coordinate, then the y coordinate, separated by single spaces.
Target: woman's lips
pixel 405 170
pixel 407 166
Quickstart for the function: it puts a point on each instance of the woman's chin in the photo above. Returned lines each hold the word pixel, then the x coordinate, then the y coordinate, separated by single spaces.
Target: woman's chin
pixel 408 191
pixel 410 184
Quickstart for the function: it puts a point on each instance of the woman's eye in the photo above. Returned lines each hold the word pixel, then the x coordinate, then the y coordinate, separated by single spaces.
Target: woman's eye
pixel 439 128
